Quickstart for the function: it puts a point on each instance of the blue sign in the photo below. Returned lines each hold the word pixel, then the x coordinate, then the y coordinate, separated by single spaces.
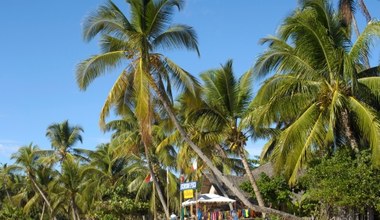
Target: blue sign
pixel 188 185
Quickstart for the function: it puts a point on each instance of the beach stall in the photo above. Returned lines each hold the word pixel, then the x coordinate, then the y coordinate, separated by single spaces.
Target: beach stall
pixel 210 206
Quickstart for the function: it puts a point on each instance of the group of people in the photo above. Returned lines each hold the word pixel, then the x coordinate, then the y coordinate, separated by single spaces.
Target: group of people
pixel 214 215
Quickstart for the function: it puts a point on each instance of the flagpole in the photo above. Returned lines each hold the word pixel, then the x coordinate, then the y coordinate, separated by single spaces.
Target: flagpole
pixel 167 188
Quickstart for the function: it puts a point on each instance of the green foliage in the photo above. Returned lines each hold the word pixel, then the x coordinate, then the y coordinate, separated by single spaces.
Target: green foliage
pixel 275 191
pixel 9 211
pixel 117 204
pixel 344 181
pixel 320 96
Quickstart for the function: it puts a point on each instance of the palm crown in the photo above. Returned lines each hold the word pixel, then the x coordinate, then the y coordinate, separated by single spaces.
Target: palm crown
pixel 321 96
pixel 137 40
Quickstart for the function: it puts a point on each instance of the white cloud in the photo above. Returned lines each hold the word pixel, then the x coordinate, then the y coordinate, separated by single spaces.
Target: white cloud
pixel 7 148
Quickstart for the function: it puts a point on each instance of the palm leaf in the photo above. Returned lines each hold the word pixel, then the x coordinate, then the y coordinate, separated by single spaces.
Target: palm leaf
pixel 97 65
pixel 373 84
pixel 291 140
pixel 360 49
pixel 177 37
pixel 369 126
pixel 181 78
pixel 107 19
pixel 117 92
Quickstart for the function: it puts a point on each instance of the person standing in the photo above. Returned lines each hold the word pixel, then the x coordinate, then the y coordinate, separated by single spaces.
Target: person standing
pixel 199 214
pixel 173 216
pixel 234 215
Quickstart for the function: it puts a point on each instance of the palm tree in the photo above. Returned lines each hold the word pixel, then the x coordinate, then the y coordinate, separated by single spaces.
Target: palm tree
pixel 63 137
pixel 73 182
pixel 347 10
pixel 127 142
pixel 138 39
pixel 321 96
pixel 135 40
pixel 108 168
pixel 226 101
pixel 26 159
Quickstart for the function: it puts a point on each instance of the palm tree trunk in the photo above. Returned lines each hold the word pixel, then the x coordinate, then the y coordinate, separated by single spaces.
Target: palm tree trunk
pixel 40 191
pixel 74 208
pixel 155 182
pixel 154 203
pixel 348 131
pixel 73 211
pixel 198 151
pixel 251 179
pixel 43 212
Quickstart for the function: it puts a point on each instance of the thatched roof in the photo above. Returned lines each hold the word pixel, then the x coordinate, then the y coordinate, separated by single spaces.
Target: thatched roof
pixel 266 168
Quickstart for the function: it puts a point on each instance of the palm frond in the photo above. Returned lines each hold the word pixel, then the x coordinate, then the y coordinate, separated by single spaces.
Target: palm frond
pixel 97 65
pixel 107 19
pixel 291 141
pixel 360 49
pixel 117 92
pixel 373 84
pixel 182 78
pixel 368 123
pixel 177 37
pixel 280 57
pixel 315 137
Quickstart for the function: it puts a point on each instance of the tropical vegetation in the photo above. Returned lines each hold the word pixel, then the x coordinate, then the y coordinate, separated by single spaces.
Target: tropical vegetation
pixel 317 107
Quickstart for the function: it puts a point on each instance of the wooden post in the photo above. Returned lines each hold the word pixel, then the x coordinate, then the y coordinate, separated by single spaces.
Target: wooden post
pixel 180 198
pixel 167 190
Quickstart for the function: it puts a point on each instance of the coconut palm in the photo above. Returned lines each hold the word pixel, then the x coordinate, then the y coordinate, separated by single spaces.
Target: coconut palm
pixel 26 160
pixel 63 137
pixel 126 142
pixel 226 101
pixel 73 182
pixel 321 96
pixel 137 41
pixel 107 168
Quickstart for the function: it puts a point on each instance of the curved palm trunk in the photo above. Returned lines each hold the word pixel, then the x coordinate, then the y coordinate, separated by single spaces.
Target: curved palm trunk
pixel 155 182
pixel 41 192
pixel 252 180
pixel 207 161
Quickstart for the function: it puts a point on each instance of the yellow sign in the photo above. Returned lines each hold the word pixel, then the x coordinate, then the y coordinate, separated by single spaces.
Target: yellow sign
pixel 188 194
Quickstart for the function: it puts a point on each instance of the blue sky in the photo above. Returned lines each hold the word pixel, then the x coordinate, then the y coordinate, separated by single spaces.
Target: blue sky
pixel 41 43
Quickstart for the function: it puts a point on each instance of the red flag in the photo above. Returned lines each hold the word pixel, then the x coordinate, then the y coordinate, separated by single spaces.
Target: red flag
pixel 148 178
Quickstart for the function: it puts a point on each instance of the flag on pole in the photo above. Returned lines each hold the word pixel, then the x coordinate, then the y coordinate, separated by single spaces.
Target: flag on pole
pixel 148 178
pixel 194 165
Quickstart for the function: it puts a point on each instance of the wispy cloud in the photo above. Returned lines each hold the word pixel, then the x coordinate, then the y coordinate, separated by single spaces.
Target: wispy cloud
pixel 7 148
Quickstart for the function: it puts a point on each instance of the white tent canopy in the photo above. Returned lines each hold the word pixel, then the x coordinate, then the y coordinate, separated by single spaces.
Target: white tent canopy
pixel 209 198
